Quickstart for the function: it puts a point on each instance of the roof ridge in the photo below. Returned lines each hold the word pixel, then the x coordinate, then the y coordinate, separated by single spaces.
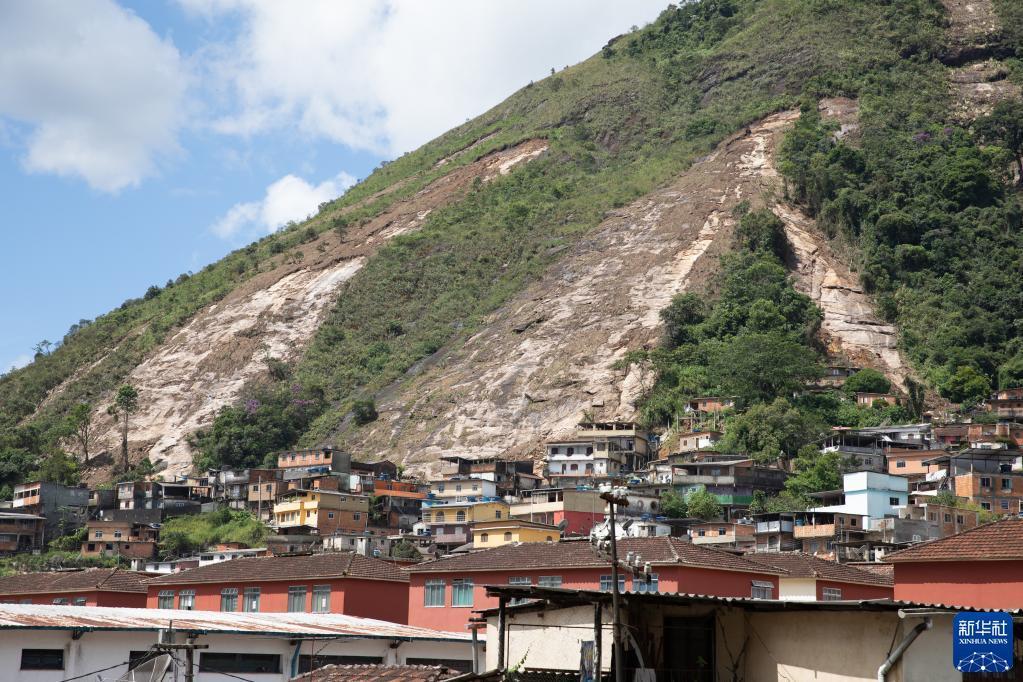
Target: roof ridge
pixel 109 575
pixel 928 543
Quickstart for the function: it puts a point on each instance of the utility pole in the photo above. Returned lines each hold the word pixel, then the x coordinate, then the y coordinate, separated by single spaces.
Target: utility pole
pixel 613 499
pixel 189 650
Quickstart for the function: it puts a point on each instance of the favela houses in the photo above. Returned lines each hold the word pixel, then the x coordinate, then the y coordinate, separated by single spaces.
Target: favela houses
pixel 452 341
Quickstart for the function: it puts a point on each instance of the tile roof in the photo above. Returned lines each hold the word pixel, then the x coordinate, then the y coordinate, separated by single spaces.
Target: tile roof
pixel 104 579
pixel 293 567
pixel 379 673
pixel 581 554
pixel 874 567
pixel 1000 540
pixel 801 565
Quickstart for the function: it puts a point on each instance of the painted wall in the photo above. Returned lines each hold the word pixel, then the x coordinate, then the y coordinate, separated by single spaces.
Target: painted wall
pixel 92 598
pixel 797 589
pixel 983 584
pixel 855 590
pixel 671 579
pixel 97 650
pixel 381 599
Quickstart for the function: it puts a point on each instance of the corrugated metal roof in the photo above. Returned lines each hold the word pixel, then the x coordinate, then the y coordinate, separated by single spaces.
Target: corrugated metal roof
pixel 47 617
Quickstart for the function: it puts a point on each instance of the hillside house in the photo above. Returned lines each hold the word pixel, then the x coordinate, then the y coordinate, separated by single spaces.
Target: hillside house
pixel 710 404
pixel 698 440
pixel 992 478
pixel 736 535
pixel 64 508
pixel 773 532
pixel 449 522
pixel 462 487
pixel 731 481
pixel 512 476
pixel 20 532
pixel 334 460
pixel 1007 404
pixel 870 399
pixel 335 582
pixel 487 534
pixel 823 534
pixel 120 539
pixel 1002 434
pixel 577 509
pixel 77 587
pixel 444 593
pixel 979 568
pixel 869 495
pixel 320 512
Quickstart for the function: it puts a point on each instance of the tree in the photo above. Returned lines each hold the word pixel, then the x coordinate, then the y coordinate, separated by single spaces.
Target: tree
pixel 79 422
pixel 684 311
pixel 364 411
pixel 815 471
pixel 946 498
pixel 59 467
pixel 1010 374
pixel 967 385
pixel 769 431
pixel 762 232
pixel 867 380
pixel 674 505
pixel 1004 127
pixel 759 367
pixel 703 505
pixel 126 402
pixel 404 549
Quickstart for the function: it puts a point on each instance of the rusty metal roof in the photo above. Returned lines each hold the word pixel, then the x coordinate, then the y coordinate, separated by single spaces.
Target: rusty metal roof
pixel 48 617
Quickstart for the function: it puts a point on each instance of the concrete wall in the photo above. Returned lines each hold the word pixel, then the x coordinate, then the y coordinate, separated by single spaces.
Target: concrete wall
pixel 982 584
pixel 96 650
pixel 797 589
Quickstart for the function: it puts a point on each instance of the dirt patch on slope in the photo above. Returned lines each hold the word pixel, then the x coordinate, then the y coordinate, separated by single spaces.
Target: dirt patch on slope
pixel 978 87
pixel 552 352
pixel 974 32
pixel 206 364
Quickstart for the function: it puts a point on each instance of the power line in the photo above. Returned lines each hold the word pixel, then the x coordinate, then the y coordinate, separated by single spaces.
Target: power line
pixel 206 667
pixel 96 672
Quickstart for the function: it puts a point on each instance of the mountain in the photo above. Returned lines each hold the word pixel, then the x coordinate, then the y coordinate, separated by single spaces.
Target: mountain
pixel 485 291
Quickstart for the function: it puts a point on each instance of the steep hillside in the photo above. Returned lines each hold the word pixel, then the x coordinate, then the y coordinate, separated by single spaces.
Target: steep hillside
pixel 483 292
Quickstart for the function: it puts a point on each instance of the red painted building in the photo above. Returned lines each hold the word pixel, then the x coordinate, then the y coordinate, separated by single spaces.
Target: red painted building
pixel 813 578
pixel 981 568
pixel 88 587
pixel 336 582
pixel 444 593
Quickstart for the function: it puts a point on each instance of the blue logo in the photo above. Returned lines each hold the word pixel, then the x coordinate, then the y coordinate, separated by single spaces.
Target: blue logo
pixel 982 642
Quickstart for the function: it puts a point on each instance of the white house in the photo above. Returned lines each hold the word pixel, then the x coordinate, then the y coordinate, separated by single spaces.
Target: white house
pixel 871 495
pixel 47 643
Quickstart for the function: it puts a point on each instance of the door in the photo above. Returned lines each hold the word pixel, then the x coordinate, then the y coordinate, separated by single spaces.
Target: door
pixel 688 650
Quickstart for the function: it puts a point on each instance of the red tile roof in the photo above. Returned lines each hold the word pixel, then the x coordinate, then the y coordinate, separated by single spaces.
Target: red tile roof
pixel 581 554
pixel 997 541
pixel 379 673
pixel 874 567
pixel 801 565
pixel 102 579
pixel 294 567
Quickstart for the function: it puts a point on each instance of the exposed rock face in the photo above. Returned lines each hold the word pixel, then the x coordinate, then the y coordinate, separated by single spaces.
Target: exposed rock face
pixel 207 363
pixel 550 354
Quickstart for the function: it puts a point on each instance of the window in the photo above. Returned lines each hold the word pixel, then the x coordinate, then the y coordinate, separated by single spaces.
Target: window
pixel 761 590
pixel 296 598
pixel 1006 484
pixel 832 594
pixel 217 662
pixel 229 599
pixel 520 580
pixel 900 464
pixel 460 517
pixel 894 501
pixel 307 663
pixel 948 518
pixel 98 534
pixel 606 583
pixel 186 600
pixel 497 514
pixel 42 659
pixel 165 599
pixel 330 515
pixel 321 598
pixel 701 533
pixel 722 530
pixel 433 594
pixel 852 522
pixel 484 537
pixel 461 592
pixel 959 518
pixel 1005 505
pixel 251 602
pixel 549 581
pixel 117 534
pixel 986 506
pixel 985 482
pixel 573 466
pixel 507 537
pixel 440 517
pixel 648 585
pixel 571 451
pixel 79 601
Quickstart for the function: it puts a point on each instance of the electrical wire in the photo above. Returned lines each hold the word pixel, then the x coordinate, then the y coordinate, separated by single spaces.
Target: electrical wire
pixel 208 668
pixel 95 672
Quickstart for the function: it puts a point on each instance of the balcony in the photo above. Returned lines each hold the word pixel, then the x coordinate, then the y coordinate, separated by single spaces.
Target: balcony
pixel 450 534
pixel 821 530
pixel 774 527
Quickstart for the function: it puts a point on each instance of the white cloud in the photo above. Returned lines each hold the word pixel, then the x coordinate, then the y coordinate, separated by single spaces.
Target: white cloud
pixel 100 92
pixel 287 199
pixel 391 75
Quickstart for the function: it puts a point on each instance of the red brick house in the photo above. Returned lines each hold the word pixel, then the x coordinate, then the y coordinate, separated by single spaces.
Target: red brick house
pixel 444 593
pixel 335 582
pixel 88 587
pixel 811 578
pixel 981 568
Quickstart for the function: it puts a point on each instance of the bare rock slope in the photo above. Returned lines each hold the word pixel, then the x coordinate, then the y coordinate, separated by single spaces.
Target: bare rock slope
pixel 205 365
pixel 552 354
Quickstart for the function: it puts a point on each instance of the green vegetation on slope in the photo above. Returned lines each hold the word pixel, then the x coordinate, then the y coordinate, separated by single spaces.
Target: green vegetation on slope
pixel 619 125
pixel 186 535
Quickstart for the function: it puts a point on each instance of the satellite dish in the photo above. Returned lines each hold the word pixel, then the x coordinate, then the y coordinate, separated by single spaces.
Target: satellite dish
pixel 562 525
pixel 153 670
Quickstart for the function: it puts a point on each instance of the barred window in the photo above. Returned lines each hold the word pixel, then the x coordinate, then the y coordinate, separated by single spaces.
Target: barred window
pixel 461 592
pixel 549 581
pixel 321 598
pixel 229 599
pixel 165 599
pixel 647 585
pixel 832 594
pixel 761 590
pixel 296 598
pixel 186 600
pixel 251 602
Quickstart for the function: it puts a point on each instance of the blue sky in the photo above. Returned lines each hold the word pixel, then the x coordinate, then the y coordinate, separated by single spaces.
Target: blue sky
pixel 140 140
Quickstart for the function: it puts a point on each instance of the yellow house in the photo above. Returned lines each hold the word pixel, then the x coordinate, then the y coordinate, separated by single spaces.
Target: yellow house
pixel 323 510
pixel 497 533
pixel 464 512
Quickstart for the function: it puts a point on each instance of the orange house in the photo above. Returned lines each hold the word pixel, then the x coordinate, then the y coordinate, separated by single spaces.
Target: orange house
pixel 980 568
pixel 444 593
pixel 336 582
pixel 88 587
